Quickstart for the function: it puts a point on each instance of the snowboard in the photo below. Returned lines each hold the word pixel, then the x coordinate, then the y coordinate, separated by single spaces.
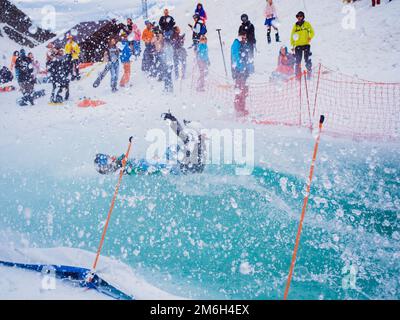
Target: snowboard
pixel 101 75
pixel 75 275
pixel 7 88
pixel 35 95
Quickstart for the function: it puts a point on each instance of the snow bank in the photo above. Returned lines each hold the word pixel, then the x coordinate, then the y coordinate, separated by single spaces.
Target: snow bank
pixel 21 284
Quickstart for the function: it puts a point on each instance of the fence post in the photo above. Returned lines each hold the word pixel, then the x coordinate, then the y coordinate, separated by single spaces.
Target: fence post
pixel 300 77
pixel 316 90
pixel 308 100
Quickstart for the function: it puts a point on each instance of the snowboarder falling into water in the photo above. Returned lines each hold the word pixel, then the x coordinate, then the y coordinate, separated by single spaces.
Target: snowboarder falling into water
pixel 300 39
pixel 188 157
pixel 270 20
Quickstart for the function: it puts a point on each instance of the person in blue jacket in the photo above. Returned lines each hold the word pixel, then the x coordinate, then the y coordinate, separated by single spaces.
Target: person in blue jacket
pixel 241 69
pixel 126 53
pixel 203 62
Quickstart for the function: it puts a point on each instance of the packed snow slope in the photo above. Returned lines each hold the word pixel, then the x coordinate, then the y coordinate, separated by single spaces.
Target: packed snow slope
pixel 215 235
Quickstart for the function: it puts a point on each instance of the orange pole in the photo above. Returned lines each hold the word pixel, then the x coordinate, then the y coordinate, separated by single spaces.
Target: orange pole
pixel 303 211
pixel 121 173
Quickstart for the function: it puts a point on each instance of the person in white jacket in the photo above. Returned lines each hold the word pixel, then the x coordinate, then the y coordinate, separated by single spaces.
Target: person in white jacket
pixel 270 20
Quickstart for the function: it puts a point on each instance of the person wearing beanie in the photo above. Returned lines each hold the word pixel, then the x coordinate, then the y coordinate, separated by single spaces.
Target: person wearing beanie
pixel 300 39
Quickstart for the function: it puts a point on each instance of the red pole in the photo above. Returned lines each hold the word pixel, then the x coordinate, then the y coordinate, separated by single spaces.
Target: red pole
pixel 303 211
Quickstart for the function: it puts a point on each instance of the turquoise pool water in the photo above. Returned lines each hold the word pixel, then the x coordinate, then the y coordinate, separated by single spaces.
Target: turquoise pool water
pixel 218 235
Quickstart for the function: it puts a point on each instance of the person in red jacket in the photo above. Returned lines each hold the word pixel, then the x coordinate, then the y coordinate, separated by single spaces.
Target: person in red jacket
pixel 285 68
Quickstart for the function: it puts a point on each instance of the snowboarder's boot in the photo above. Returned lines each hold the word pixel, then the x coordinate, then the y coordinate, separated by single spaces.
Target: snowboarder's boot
pixel 30 99
pixel 22 101
pixel 277 37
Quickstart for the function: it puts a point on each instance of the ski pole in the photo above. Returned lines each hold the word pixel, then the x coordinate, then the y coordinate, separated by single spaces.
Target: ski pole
pixel 303 212
pixel 222 51
pixel 121 173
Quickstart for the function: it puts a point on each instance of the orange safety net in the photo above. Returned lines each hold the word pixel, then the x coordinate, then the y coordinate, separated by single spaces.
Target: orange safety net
pixel 354 108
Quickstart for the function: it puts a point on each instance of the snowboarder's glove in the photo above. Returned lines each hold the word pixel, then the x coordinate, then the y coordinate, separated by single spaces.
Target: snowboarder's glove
pixel 168 116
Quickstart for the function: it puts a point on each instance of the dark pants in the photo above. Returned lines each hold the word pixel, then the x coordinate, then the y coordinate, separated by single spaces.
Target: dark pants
pixel 56 97
pixel 27 91
pixel 167 77
pixel 148 58
pixel 376 2
pixel 180 59
pixel 75 69
pixel 299 50
pixel 252 47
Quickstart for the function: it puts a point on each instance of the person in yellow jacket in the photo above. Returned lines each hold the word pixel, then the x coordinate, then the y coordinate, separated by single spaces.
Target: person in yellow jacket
pixel 72 50
pixel 300 39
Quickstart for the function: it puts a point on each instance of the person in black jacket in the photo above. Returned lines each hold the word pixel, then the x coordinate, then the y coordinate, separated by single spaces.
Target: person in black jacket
pixel 5 75
pixel 59 72
pixel 25 77
pixel 166 24
pixel 248 28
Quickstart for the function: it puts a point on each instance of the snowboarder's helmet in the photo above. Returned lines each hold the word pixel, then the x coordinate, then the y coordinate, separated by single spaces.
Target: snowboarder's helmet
pixel 300 14
pixel 22 53
pixel 196 16
pixel 244 17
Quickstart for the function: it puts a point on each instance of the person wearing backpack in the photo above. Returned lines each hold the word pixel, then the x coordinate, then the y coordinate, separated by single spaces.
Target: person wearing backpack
pixel 199 29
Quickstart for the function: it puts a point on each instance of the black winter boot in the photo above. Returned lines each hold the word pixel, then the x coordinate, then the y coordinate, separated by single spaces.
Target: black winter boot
pixel 277 37
pixel 269 36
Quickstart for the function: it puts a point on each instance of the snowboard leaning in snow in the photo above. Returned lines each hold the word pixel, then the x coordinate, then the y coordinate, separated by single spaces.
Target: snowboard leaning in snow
pixel 101 75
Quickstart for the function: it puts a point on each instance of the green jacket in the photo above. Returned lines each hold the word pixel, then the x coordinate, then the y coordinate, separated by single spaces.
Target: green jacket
pixel 301 35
